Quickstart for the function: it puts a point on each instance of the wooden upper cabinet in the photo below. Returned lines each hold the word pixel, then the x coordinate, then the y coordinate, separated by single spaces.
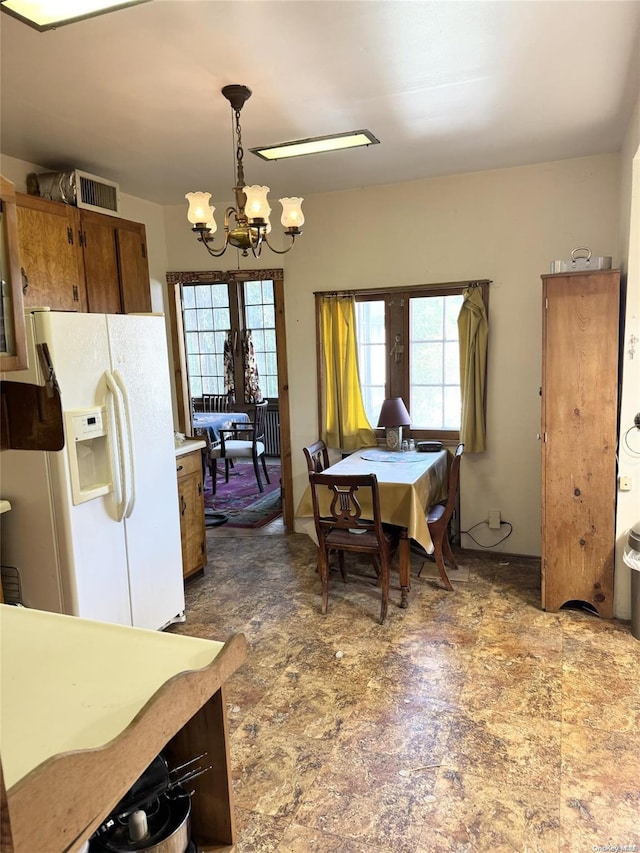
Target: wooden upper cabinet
pixel 50 259
pixel 13 341
pixel 115 264
pixel 100 264
pixel 131 243
pixel 80 260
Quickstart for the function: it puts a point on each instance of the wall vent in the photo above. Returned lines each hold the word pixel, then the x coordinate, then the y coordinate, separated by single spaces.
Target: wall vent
pixel 78 188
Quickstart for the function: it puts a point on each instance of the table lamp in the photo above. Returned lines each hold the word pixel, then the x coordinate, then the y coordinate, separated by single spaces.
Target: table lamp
pixel 393 416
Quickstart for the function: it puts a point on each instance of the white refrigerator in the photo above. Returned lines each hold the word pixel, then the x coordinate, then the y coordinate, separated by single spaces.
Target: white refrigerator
pixel 94 528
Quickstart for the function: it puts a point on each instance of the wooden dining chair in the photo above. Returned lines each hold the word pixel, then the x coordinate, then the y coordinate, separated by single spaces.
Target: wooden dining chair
pixel 317 456
pixel 245 441
pixel 340 527
pixel 216 403
pixel 438 518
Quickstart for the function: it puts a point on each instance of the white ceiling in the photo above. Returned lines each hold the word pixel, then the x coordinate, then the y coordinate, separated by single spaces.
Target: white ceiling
pixel 447 87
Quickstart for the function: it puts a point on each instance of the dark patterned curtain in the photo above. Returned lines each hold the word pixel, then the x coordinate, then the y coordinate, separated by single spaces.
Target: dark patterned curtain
pixel 229 381
pixel 252 392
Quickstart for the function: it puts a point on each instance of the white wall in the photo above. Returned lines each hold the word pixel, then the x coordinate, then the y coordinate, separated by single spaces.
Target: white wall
pixel 505 225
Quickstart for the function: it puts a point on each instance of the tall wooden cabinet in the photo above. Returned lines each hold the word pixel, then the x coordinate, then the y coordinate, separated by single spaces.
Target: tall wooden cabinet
pixel 80 260
pixel 581 316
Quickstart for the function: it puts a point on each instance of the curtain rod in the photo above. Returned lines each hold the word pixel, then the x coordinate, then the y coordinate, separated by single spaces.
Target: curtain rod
pixel 442 285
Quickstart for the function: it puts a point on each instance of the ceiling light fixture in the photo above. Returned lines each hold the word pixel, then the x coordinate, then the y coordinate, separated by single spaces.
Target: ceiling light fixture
pixel 48 14
pixel 316 145
pixel 251 213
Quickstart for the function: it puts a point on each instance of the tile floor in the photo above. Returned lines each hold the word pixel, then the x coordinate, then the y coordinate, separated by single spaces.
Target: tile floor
pixel 472 721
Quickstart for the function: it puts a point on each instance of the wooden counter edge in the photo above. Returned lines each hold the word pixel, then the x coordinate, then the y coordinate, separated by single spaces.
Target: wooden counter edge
pixel 62 802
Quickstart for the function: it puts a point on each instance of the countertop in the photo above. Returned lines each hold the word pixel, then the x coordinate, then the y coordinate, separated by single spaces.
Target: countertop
pixel 189 445
pixel 91 677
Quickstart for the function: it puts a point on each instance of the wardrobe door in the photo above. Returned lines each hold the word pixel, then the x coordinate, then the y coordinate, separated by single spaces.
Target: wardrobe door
pixel 579 436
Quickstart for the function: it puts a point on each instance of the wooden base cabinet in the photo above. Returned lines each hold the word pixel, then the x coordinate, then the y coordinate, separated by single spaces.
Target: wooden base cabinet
pixel 581 316
pixel 191 502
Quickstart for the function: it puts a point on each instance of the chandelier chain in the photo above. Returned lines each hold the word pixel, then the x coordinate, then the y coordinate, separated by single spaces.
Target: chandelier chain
pixel 239 151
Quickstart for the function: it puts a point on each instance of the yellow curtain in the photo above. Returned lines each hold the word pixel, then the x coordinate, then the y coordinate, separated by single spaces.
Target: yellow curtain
pixel 346 424
pixel 473 334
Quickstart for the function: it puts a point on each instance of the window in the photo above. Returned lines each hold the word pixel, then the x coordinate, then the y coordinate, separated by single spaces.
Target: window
pixel 372 355
pixel 260 317
pixel 219 311
pixel 434 362
pixel 207 320
pixel 408 347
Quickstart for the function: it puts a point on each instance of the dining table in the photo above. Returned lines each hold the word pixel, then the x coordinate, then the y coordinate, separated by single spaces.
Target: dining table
pixel 408 483
pixel 216 421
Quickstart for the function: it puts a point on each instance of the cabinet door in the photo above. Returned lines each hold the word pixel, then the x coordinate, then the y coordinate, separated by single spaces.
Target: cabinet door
pixel 13 342
pixel 191 504
pixel 100 263
pixel 579 427
pixel 135 287
pixel 51 263
pixel 115 264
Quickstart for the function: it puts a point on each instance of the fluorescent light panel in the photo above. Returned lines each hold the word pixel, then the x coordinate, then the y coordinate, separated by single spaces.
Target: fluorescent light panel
pixel 316 145
pixel 47 14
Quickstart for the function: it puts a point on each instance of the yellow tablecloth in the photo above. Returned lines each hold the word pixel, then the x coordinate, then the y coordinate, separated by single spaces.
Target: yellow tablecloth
pixel 408 483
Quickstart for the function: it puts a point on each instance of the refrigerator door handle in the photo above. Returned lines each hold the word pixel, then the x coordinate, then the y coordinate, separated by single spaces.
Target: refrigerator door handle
pixel 115 453
pixel 118 443
pixel 127 410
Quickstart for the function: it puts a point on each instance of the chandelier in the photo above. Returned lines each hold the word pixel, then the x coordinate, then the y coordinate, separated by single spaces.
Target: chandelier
pixel 247 225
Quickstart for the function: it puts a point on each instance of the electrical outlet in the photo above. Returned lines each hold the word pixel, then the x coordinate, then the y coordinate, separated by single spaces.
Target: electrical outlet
pixel 494 519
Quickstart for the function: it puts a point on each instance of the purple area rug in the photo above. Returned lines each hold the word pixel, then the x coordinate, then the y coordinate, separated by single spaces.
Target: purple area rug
pixel 241 500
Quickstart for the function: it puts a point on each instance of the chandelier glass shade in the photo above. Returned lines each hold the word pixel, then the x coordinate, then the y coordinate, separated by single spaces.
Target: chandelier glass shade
pixel 247 224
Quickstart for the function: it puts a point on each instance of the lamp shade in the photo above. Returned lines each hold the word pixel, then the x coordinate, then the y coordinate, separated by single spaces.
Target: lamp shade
pixel 292 215
pixel 394 413
pixel 211 222
pixel 199 208
pixel 257 204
